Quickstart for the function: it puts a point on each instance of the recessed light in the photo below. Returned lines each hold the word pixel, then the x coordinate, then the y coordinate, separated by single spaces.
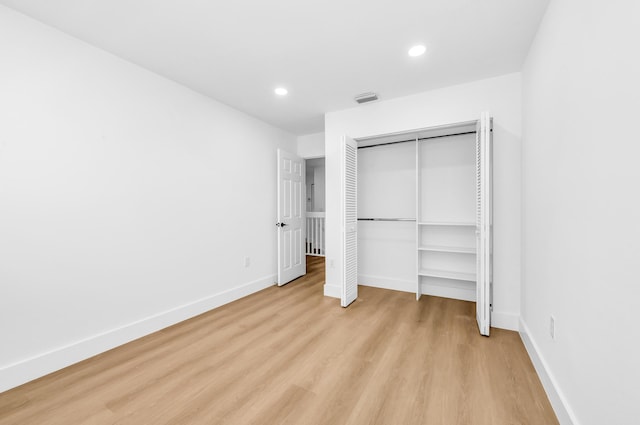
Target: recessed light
pixel 417 50
pixel 281 91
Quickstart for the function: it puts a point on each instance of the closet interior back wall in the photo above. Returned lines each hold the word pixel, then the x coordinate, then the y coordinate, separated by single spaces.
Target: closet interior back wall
pixel 387 189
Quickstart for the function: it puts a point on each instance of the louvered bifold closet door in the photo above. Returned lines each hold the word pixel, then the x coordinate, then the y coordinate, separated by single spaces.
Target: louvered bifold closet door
pixel 350 221
pixel 483 223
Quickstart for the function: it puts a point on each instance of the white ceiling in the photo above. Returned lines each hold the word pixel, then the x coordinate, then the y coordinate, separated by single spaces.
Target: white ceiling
pixel 323 51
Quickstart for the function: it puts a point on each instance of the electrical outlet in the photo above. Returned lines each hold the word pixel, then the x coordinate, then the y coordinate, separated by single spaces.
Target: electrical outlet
pixel 552 327
pixel 331 264
pixel 247 261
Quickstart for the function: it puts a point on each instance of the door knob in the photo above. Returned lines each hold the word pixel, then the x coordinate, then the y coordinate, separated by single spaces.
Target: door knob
pixel 281 224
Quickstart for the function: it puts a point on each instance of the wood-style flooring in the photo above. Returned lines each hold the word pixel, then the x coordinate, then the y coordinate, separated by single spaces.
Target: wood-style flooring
pixel 292 356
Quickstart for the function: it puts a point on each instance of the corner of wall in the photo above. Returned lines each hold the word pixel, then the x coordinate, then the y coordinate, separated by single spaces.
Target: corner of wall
pixel 332 291
pixel 559 402
pixel 504 320
pixel 310 145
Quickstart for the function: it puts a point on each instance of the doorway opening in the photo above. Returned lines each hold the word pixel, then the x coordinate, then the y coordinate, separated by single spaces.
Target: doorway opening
pixel 409 215
pixel 315 207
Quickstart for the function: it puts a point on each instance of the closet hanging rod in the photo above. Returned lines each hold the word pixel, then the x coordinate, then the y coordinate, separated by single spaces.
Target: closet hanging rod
pixel 386 219
pixel 413 140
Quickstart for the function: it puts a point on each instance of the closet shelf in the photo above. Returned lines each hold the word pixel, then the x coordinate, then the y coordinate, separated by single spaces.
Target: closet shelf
pixel 456 249
pixel 444 223
pixel 445 274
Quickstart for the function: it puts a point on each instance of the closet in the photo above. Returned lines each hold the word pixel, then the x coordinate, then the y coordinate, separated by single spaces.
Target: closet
pixel 418 204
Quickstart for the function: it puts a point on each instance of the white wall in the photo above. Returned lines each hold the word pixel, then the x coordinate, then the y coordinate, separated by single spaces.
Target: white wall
pixel 581 208
pixel 318 188
pixel 387 189
pixel 308 170
pixel 501 96
pixel 315 184
pixel 117 191
pixel 310 145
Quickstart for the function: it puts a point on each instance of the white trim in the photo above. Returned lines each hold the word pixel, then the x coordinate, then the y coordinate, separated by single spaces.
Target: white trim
pixel 502 320
pixel 387 283
pixel 311 157
pixel 558 400
pixel 311 214
pixel 26 370
pixel 456 293
pixel 333 291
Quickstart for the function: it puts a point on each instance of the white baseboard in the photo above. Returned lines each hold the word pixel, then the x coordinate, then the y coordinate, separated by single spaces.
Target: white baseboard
pixel 332 291
pixel 26 370
pixel 556 396
pixel 457 293
pixel 387 283
pixel 508 321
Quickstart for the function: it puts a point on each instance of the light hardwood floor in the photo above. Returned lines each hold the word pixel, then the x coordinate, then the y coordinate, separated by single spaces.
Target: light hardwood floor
pixel 291 356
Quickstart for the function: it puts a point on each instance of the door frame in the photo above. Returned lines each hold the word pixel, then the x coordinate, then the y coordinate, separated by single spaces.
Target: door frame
pixel 446 128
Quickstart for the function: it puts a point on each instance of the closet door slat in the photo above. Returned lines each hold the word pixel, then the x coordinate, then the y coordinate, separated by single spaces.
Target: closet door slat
pixel 350 221
pixel 483 223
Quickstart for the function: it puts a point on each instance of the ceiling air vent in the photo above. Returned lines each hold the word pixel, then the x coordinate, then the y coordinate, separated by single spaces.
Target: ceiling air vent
pixel 366 97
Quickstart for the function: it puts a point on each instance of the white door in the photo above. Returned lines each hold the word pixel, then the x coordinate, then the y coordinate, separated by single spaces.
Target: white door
pixel 484 242
pixel 291 217
pixel 349 221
